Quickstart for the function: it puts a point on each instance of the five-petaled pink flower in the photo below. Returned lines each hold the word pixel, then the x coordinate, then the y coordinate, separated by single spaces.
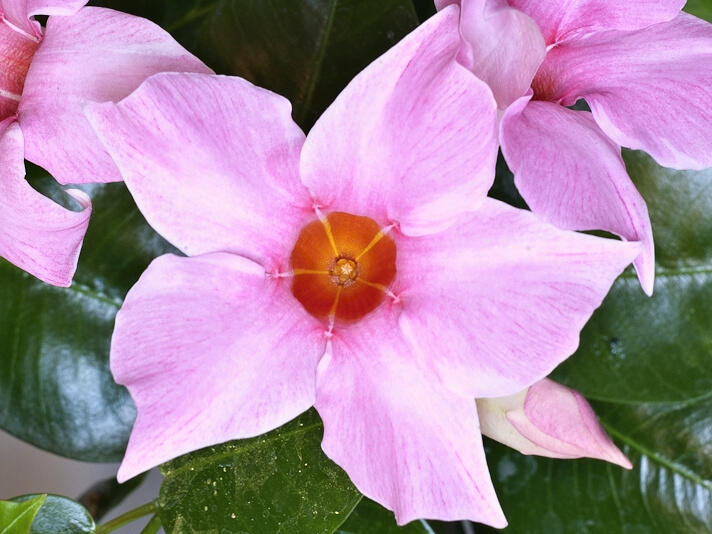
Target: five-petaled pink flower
pixel 84 54
pixel 361 270
pixel 643 67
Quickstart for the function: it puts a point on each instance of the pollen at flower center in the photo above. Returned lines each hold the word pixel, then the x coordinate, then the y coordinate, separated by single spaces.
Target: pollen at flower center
pixel 342 266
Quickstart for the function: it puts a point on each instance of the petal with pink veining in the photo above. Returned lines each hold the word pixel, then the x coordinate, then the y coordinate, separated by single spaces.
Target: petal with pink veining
pixel 499 300
pixel 648 90
pixel 573 176
pixel 214 327
pixel 212 163
pixel 16 51
pixel 36 234
pixel 560 19
pixel 559 419
pixel 96 55
pixel 19 12
pixel 504 47
pixel 404 440
pixel 412 139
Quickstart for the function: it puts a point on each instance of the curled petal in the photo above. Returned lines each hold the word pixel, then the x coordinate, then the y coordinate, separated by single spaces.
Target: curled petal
pixel 404 440
pixel 96 55
pixel 548 419
pixel 504 47
pixel 36 234
pixel 20 12
pixel 212 162
pixel 210 350
pixel 573 176
pixel 412 139
pixel 648 90
pixel 495 303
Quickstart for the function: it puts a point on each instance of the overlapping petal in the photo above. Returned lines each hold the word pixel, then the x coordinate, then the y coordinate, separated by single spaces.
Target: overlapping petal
pixel 19 13
pixel 37 235
pixel 216 327
pixel 561 19
pixel 504 47
pixel 498 301
pixel 212 163
pixel 647 90
pixel 411 139
pixel 404 440
pixel 96 55
pixel 573 176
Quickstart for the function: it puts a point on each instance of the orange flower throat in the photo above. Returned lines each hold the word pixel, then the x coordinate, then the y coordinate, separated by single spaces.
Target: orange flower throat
pixel 342 265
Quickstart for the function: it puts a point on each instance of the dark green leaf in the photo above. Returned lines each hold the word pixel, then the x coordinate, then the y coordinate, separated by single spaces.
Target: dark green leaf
pixel 647 365
pixel 305 50
pixel 60 515
pixel 279 483
pixel 370 517
pixel 56 390
pixel 700 8
pixel 669 489
pixel 17 517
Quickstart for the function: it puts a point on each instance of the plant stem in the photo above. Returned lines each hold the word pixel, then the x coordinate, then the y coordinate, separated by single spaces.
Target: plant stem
pixel 128 517
pixel 153 525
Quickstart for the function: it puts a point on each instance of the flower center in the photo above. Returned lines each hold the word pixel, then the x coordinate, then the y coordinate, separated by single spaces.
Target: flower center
pixel 342 266
pixel 16 51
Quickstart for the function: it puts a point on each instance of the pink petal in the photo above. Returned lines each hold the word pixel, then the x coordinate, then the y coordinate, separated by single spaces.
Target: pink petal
pixel 648 89
pixel 560 19
pixel 411 139
pixel 498 301
pixel 36 234
pixel 548 419
pixel 505 47
pixel 559 419
pixel 96 55
pixel 573 176
pixel 19 12
pixel 404 440
pixel 212 163
pixel 211 350
pixel 16 51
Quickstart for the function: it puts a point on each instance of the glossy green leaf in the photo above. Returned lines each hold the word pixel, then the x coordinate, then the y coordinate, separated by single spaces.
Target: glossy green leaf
pixel 17 517
pixel 278 483
pixel 646 363
pixel 60 515
pixel 305 50
pixel 56 390
pixel 370 517
pixel 700 8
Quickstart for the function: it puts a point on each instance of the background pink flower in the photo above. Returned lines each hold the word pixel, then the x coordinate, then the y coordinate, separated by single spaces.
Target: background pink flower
pixel 645 70
pixel 472 297
pixel 85 54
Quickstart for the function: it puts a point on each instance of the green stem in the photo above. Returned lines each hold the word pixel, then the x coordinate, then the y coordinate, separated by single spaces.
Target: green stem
pixel 153 525
pixel 128 517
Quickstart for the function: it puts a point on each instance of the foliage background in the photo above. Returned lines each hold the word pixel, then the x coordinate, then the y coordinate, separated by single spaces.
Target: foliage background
pixel 645 364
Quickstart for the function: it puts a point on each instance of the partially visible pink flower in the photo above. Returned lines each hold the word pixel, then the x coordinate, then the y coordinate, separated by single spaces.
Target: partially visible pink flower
pixel 548 419
pixel 361 270
pixel 85 54
pixel 643 67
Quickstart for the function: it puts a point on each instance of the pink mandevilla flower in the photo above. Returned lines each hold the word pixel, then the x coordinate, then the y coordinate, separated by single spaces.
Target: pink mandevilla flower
pixel 361 270
pixel 84 54
pixel 643 67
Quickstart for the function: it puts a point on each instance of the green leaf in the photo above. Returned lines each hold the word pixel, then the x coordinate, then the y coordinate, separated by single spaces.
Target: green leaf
pixel 646 363
pixel 306 51
pixel 60 515
pixel 17 517
pixel 278 483
pixel 56 390
pixel 370 517
pixel 659 349
pixel 700 8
